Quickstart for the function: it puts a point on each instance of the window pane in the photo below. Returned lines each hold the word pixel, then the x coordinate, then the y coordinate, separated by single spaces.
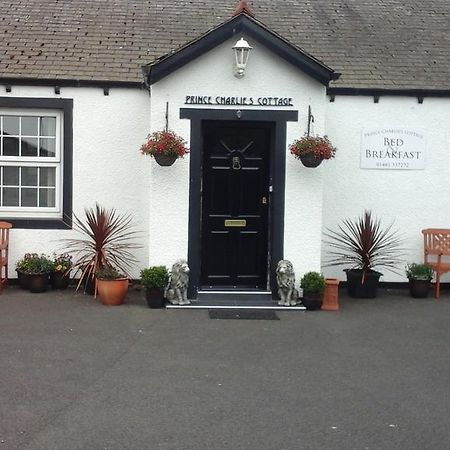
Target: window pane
pixel 11 125
pixel 47 147
pixel 48 126
pixel 29 146
pixel 29 176
pixel 10 196
pixel 29 126
pixel 47 197
pixel 47 176
pixel 10 146
pixel 29 197
pixel 10 176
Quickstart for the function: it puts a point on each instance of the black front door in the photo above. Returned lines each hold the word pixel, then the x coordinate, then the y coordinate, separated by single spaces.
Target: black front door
pixel 235 205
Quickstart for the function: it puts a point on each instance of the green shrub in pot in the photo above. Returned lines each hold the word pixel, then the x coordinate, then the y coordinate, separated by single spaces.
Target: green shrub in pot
pixel 419 276
pixel 313 285
pixel 155 280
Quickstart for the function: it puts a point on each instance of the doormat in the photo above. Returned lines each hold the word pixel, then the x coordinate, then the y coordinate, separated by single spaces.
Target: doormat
pixel 243 314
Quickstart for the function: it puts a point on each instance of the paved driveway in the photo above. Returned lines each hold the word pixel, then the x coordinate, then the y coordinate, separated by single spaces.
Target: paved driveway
pixel 78 375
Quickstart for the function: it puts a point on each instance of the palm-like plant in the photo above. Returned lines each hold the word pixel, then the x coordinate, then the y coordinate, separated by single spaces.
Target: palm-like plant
pixel 364 244
pixel 107 240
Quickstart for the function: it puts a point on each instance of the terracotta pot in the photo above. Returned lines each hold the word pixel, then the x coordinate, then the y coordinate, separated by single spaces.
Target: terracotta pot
pixel 312 300
pixel 59 281
pixel 309 160
pixel 37 283
pixel 331 295
pixel 419 288
pixel 165 160
pixel 154 297
pixel 112 292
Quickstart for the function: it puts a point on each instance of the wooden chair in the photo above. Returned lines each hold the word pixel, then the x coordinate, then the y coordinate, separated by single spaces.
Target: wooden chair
pixel 4 244
pixel 436 247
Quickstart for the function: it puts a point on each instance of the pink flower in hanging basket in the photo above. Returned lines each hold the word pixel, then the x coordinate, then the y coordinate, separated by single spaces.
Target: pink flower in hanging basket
pixel 318 146
pixel 165 143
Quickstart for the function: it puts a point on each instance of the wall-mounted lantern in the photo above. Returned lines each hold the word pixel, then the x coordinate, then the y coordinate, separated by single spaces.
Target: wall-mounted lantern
pixel 242 51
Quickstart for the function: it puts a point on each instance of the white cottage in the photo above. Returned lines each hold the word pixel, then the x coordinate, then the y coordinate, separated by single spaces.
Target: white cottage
pixel 84 86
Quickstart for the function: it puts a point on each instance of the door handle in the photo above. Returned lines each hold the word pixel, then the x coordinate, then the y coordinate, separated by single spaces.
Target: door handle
pixel 264 200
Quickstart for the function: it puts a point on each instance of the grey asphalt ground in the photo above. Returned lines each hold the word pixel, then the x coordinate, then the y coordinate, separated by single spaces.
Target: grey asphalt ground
pixel 78 375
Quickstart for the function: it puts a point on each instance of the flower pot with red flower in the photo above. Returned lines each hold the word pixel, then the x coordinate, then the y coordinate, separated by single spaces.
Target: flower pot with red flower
pixel 165 146
pixel 34 271
pixel 312 150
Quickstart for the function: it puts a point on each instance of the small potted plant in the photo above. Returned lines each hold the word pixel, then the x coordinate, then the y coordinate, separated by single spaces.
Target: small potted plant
pixel 60 276
pixel 364 245
pixel 37 269
pixel 112 286
pixel 419 276
pixel 165 146
pixel 312 150
pixel 155 280
pixel 21 267
pixel 313 285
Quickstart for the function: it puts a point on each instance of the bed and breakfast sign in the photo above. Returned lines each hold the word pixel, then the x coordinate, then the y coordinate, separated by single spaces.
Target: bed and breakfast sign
pixel 393 148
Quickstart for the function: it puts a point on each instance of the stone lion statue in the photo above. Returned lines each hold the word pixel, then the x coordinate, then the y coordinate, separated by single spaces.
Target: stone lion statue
pixel 286 283
pixel 176 290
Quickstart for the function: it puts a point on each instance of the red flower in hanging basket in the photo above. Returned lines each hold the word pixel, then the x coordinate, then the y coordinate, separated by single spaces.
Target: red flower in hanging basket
pixel 164 143
pixel 317 146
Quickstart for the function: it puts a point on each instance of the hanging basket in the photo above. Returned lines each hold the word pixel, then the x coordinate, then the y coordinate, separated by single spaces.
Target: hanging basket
pixel 309 160
pixel 165 160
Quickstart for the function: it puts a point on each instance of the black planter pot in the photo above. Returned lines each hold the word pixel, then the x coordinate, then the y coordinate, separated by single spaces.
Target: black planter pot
pixel 59 281
pixel 312 301
pixel 38 283
pixel 419 288
pixel 165 160
pixel 154 297
pixel 22 279
pixel 359 289
pixel 89 286
pixel 309 160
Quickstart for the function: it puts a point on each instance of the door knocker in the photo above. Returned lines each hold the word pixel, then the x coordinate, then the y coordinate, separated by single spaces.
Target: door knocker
pixel 236 163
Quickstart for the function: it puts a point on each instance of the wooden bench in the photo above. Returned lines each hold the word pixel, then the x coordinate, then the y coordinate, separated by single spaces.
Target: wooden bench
pixel 4 244
pixel 436 247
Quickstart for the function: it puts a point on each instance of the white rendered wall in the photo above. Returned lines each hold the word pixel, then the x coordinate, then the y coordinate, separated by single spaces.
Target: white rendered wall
pixel 211 74
pixel 415 199
pixel 107 165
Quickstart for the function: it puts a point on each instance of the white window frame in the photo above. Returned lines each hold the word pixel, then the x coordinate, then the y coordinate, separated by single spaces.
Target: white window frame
pixel 36 212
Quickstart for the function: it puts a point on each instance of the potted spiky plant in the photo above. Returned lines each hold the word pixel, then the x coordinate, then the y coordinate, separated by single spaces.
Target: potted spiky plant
pixel 365 245
pixel 107 239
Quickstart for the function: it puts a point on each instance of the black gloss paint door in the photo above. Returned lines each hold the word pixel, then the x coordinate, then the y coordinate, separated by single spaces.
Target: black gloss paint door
pixel 235 205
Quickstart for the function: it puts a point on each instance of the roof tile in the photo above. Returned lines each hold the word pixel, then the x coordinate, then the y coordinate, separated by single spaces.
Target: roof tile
pixel 373 44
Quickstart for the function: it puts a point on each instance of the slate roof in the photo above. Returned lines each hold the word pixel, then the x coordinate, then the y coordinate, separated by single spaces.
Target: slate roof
pixel 394 44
